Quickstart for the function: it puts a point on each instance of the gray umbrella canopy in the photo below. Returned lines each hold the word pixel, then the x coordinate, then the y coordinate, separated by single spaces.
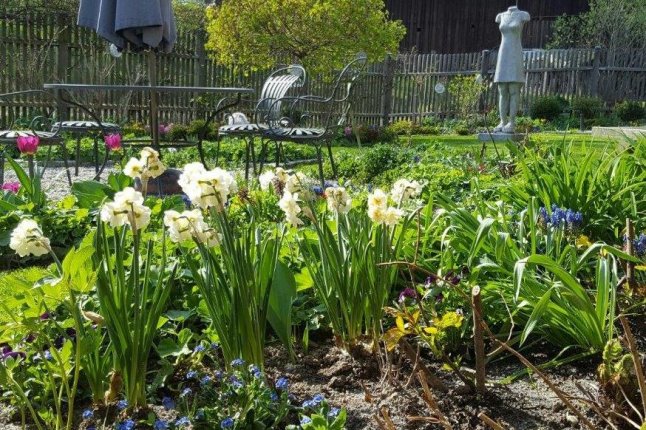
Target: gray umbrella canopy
pixel 131 23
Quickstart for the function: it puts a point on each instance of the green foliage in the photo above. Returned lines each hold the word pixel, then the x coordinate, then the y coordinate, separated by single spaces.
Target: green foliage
pixel 177 132
pixel 535 271
pixel 630 111
pixel 133 286
pixel 548 107
pixel 607 188
pixel 401 127
pixel 241 282
pixel 322 35
pixel 588 107
pixel 47 333
pixel 316 414
pixel 612 24
pixel 345 259
pixel 240 395
pixel 466 91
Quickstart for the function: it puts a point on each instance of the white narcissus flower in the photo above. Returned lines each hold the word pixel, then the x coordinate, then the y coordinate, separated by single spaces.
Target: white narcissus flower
pixel 404 189
pixel 179 227
pixel 27 239
pixel 128 196
pixel 147 166
pixel 377 206
pixel 127 208
pixel 207 235
pixel 377 214
pixel 114 214
pixel 190 173
pixel 190 225
pixel 338 199
pixel 289 204
pixel 392 216
pixel 207 188
pixel 378 199
pixel 282 174
pixel 301 184
pixel 134 168
pixel 266 180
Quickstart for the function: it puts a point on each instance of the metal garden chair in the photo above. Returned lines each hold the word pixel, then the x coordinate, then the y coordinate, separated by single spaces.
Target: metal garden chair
pixel 9 137
pixel 322 117
pixel 268 110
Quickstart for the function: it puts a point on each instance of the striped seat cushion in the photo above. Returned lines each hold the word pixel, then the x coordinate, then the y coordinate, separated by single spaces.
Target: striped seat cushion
pixel 85 125
pixel 242 128
pixel 14 134
pixel 298 132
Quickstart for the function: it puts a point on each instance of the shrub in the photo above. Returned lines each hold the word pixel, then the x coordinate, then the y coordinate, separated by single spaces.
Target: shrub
pixel 135 128
pixel 431 130
pixel 588 107
pixel 196 127
pixel 431 121
pixel 548 108
pixel 402 127
pixel 630 111
pixel 466 91
pixel 462 128
pixel 177 132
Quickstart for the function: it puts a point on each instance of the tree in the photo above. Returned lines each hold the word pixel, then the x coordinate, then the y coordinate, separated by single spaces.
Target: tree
pixel 320 34
pixel 612 24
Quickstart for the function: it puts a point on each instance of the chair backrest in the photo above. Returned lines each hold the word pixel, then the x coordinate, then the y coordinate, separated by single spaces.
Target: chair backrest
pixel 276 87
pixel 340 99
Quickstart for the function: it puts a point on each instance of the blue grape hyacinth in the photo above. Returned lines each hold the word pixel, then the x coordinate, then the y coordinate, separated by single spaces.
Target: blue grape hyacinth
pixel 227 423
pixel 282 384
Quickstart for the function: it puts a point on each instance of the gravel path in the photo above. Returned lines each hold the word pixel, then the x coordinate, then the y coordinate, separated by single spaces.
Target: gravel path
pixel 54 181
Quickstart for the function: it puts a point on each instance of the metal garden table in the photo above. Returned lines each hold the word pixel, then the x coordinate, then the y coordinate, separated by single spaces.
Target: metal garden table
pixel 231 97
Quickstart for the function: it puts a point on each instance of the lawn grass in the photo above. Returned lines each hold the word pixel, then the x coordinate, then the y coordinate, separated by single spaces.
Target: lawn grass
pixel 583 142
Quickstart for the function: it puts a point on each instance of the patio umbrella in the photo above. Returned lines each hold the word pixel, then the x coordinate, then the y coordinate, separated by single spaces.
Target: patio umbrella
pixel 134 25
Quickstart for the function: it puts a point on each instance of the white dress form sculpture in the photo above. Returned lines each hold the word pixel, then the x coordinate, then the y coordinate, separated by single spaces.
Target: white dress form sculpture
pixel 510 74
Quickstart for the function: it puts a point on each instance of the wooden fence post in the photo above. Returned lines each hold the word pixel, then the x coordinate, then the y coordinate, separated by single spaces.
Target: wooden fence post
pixel 387 96
pixel 484 74
pixel 62 63
pixel 596 74
pixel 200 53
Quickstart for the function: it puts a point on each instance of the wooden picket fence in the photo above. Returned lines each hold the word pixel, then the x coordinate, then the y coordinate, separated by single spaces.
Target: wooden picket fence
pixel 46 46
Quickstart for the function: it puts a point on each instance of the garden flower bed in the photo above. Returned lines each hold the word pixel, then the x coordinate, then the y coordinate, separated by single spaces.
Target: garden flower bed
pixel 279 303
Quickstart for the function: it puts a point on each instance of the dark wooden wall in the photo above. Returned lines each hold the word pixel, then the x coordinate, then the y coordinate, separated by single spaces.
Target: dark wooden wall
pixel 455 26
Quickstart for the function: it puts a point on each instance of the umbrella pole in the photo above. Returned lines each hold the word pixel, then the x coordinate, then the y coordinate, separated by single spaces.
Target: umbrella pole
pixel 154 100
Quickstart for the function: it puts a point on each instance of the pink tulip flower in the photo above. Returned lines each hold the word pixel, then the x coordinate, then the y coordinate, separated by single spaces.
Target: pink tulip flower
pixel 28 145
pixel 12 187
pixel 113 142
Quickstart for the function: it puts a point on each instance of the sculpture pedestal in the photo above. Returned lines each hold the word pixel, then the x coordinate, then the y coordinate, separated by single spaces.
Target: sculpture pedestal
pixel 500 137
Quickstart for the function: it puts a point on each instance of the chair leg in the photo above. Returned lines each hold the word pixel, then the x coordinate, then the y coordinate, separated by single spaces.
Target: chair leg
pixel 200 150
pixel 77 159
pixel 217 151
pixel 278 147
pixel 253 155
pixel 329 151
pixel 67 166
pixel 96 155
pixel 319 159
pixel 246 159
pixel 263 153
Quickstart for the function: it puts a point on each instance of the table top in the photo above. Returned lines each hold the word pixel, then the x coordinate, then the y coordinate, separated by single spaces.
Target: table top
pixel 157 88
